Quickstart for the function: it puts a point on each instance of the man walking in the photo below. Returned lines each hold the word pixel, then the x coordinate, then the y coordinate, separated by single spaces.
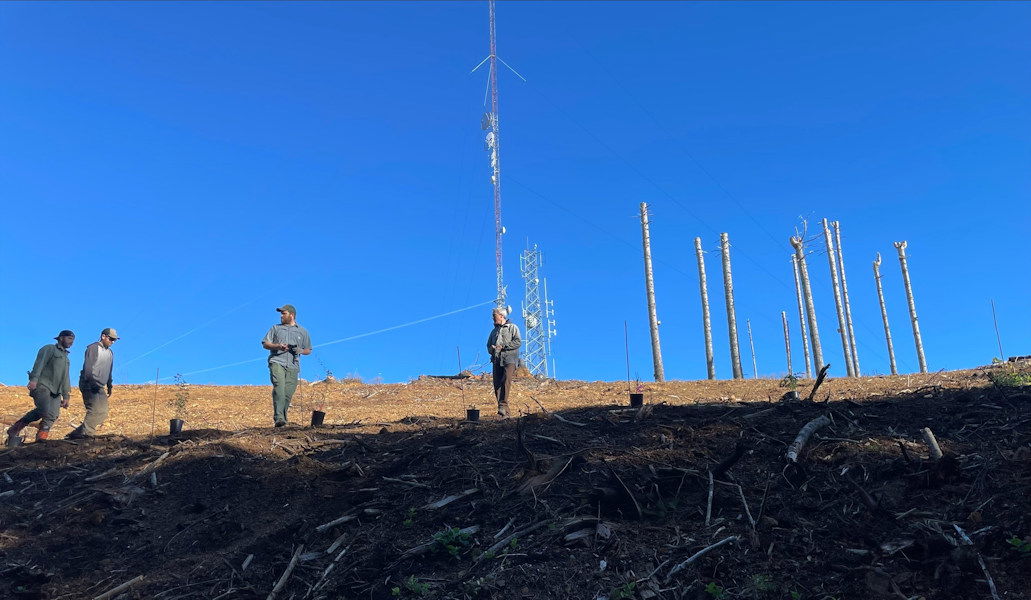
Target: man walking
pixel 286 343
pixel 503 346
pixel 48 386
pixel 96 384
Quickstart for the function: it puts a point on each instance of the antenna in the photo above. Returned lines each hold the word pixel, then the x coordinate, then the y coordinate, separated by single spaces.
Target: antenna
pixel 490 124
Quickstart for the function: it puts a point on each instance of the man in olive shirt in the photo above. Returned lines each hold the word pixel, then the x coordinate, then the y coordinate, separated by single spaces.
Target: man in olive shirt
pixel 503 346
pixel 286 343
pixel 96 384
pixel 48 386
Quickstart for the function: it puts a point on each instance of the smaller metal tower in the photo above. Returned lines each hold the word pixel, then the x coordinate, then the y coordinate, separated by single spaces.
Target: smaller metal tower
pixel 537 315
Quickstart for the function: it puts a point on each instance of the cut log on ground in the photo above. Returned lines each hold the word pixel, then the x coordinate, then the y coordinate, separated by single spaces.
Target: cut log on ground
pixel 803 436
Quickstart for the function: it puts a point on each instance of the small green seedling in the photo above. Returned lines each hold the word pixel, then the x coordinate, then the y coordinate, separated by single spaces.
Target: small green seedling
pixel 452 541
pixel 715 591
pixel 623 592
pixel 1023 546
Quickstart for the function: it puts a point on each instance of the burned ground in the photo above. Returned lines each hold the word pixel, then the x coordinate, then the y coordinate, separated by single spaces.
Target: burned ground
pixel 585 499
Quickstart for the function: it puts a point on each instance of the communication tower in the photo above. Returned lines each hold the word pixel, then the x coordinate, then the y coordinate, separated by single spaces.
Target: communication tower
pixel 537 315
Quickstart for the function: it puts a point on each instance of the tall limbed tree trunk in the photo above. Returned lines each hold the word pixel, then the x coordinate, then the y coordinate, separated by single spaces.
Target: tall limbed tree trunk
pixel 848 305
pixel 901 247
pixel 884 313
pixel 649 284
pixel 810 309
pixel 842 328
pixel 728 290
pixel 801 318
pixel 710 364
pixel 787 341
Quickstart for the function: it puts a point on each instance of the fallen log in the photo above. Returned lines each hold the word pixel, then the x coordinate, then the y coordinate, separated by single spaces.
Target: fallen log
pixel 426 547
pixel 803 436
pixel 490 552
pixel 286 574
pixel 449 499
pixel 699 554
pixel 335 522
pixel 111 593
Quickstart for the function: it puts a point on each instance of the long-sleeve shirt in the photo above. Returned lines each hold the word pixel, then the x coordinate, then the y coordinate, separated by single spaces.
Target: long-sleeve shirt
pixel 507 337
pixel 97 366
pixel 51 369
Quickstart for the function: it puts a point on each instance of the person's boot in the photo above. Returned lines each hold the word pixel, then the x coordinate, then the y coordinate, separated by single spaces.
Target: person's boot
pixel 42 435
pixel 503 411
pixel 13 432
pixel 76 434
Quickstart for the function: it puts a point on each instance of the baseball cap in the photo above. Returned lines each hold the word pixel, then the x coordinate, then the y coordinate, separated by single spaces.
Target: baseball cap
pixel 110 332
pixel 288 308
pixel 65 333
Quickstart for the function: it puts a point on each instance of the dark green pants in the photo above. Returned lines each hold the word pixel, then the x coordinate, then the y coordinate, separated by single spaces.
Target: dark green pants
pixel 284 383
pixel 48 408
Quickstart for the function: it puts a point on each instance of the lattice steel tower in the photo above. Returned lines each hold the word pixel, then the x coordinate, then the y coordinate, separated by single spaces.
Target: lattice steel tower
pixel 537 314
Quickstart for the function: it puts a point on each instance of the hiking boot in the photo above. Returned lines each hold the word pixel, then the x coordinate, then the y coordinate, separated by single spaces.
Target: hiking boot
pixel 13 432
pixel 280 423
pixel 76 434
pixel 42 435
pixel 503 411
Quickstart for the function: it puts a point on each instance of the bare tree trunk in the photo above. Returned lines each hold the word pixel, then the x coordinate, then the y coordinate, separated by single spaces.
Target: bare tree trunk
pixel 751 346
pixel 649 283
pixel 884 313
pixel 844 297
pixel 801 319
pixel 842 329
pixel 810 309
pixel 728 289
pixel 710 364
pixel 787 340
pixel 901 247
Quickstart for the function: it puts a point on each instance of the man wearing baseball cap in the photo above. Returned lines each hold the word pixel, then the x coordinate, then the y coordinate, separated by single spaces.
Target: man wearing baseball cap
pixel 286 343
pixel 96 384
pixel 48 386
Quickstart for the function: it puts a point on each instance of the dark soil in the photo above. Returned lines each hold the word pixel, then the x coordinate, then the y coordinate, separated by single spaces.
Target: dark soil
pixel 604 502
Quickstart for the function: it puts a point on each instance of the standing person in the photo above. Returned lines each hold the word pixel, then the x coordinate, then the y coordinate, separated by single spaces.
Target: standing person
pixel 503 346
pixel 286 343
pixel 48 386
pixel 96 384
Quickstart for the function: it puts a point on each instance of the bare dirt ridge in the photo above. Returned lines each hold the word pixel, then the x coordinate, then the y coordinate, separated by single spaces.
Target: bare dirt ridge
pixel 691 496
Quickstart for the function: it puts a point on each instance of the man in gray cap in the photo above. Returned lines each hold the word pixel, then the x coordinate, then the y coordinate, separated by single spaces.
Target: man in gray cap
pixel 96 384
pixel 286 343
pixel 503 346
pixel 48 386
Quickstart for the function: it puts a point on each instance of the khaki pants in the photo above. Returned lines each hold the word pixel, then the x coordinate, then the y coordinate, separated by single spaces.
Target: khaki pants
pixel 503 376
pixel 48 408
pixel 284 384
pixel 96 410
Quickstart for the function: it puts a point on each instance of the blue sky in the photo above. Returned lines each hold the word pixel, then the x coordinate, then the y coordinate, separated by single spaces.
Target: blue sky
pixel 184 168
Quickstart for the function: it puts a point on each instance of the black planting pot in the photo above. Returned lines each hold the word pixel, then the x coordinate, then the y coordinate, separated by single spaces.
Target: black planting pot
pixel 175 426
pixel 318 417
pixel 636 400
pixel 472 414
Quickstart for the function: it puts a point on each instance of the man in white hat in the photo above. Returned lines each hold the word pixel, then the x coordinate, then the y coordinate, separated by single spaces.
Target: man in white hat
pixel 96 384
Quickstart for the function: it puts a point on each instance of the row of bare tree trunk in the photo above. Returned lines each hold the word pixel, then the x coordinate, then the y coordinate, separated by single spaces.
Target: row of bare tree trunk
pixel 806 308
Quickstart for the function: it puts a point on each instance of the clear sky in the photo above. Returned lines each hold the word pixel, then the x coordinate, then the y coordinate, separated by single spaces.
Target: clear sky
pixel 178 170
